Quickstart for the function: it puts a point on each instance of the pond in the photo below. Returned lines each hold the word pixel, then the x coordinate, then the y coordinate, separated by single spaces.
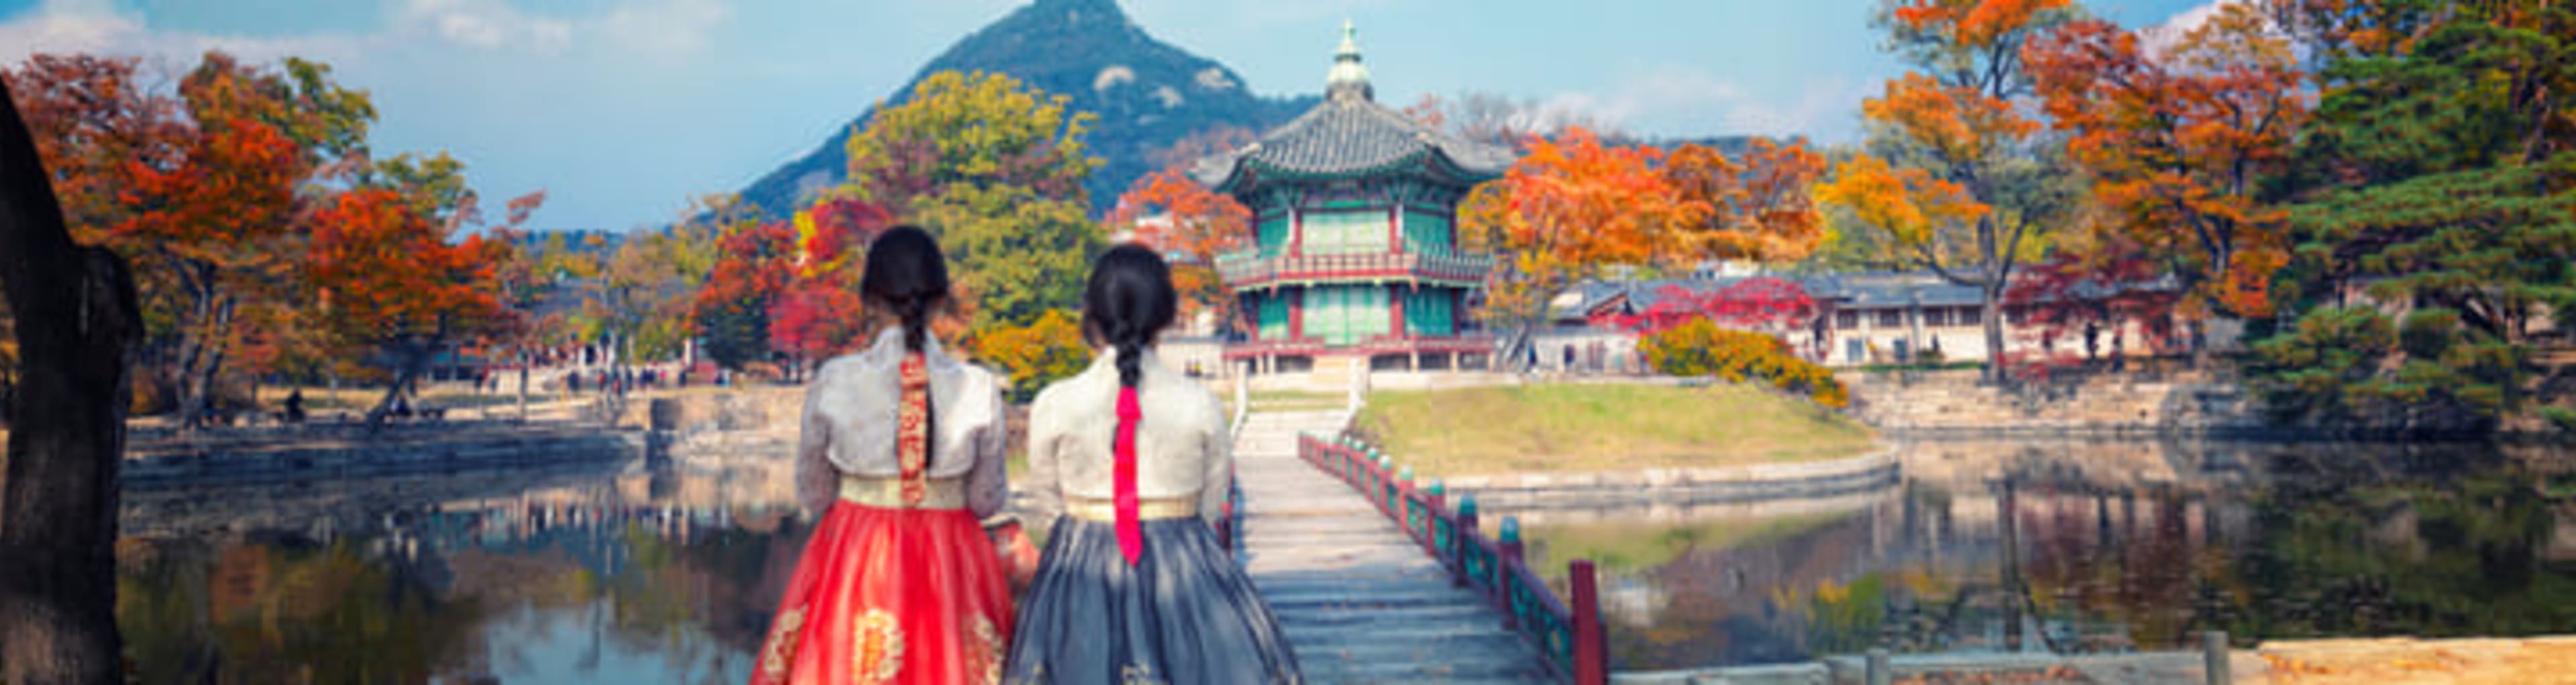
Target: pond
pixel 606 574
pixel 2076 547
pixel 616 573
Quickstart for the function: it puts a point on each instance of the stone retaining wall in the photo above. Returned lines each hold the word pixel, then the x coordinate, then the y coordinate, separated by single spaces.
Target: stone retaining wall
pixel 1681 487
pixel 407 452
pixel 1955 403
pixel 1959 404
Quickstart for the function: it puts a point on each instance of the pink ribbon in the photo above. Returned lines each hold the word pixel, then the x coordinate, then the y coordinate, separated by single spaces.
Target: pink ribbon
pixel 1131 531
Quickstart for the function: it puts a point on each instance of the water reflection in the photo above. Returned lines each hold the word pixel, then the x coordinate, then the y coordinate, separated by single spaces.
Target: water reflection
pixel 622 574
pixel 2094 547
pixel 609 575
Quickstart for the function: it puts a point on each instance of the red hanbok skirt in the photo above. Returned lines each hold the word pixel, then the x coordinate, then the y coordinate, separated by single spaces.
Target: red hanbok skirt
pixel 887 595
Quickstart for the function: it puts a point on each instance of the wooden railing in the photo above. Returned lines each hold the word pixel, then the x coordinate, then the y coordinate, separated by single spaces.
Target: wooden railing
pixel 1569 636
pixel 1250 268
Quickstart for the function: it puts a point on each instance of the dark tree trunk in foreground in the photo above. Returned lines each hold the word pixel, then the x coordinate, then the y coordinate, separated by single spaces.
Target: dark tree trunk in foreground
pixel 77 326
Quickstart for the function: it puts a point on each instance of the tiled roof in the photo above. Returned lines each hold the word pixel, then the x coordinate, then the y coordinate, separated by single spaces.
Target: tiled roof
pixel 1348 136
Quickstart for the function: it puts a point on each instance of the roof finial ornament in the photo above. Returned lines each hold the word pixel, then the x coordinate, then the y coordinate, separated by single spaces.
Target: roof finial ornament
pixel 1349 80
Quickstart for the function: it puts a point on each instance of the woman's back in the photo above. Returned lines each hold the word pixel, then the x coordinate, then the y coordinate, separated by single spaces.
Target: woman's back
pixel 1181 438
pixel 1134 587
pixel 851 422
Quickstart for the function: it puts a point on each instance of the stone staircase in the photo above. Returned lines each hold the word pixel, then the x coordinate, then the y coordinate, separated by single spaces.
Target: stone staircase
pixel 1359 600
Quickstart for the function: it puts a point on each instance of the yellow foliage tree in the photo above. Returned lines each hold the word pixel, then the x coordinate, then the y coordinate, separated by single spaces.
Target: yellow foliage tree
pixel 1954 180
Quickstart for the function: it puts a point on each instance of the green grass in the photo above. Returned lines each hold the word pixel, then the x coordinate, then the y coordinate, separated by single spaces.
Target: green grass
pixel 1593 428
pixel 1645 546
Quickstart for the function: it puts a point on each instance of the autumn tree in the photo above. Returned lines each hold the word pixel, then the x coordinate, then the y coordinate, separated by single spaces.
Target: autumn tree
pixel 1575 206
pixel 1567 211
pixel 389 278
pixel 639 302
pixel 1047 349
pixel 1174 215
pixel 1761 304
pixel 1016 255
pixel 1758 205
pixel 527 288
pixel 754 266
pixel 820 313
pixel 1955 174
pixel 995 169
pixel 201 188
pixel 981 130
pixel 2184 137
pixel 2086 290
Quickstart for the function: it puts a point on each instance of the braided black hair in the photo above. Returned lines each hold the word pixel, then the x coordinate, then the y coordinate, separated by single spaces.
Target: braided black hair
pixel 905 275
pixel 1129 300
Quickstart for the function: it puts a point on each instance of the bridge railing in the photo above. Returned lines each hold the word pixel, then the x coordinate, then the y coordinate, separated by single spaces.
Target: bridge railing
pixel 1567 631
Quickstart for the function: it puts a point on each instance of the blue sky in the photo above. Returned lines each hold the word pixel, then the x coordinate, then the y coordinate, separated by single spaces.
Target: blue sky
pixel 622 110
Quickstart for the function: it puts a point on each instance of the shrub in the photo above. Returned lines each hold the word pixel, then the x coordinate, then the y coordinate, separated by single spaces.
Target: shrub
pixel 1701 348
pixel 1036 353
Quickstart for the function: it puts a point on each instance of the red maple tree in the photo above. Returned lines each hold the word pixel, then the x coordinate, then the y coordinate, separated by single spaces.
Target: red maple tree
pixel 389 278
pixel 1765 304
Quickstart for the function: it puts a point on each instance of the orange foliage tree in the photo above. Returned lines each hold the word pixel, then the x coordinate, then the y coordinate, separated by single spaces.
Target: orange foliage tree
pixel 1759 207
pixel 2179 138
pixel 1954 176
pixel 1570 208
pixel 1176 216
pixel 1574 206
pixel 388 278
pixel 201 191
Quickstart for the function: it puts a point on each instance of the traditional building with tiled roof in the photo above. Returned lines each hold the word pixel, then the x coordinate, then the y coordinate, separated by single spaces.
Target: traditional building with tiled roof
pixel 1355 256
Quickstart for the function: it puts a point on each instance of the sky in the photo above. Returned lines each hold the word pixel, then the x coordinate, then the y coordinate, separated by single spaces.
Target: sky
pixel 623 110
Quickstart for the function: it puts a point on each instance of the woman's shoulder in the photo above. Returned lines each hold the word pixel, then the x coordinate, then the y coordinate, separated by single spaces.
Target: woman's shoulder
pixel 1187 398
pixel 1065 393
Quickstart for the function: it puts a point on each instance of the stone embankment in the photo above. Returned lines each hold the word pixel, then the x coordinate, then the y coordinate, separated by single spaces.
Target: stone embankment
pixel 1958 404
pixel 1949 404
pixel 1682 487
pixel 330 452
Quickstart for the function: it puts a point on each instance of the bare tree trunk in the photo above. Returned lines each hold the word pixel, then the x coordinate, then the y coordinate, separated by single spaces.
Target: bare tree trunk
pixel 523 385
pixel 1993 321
pixel 415 356
pixel 77 327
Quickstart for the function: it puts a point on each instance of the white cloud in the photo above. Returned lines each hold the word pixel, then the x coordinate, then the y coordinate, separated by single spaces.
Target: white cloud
pixel 484 24
pixel 639 26
pixel 1690 99
pixel 95 26
pixel 677 26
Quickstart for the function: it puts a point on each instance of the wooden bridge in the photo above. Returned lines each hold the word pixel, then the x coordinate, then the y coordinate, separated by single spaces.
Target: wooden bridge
pixel 1365 600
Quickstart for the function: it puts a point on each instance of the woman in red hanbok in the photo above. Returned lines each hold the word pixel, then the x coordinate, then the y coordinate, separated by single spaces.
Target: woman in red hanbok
pixel 902 454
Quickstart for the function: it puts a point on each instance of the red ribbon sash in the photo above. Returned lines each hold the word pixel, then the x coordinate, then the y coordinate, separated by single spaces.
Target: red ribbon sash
pixel 1131 531
pixel 912 428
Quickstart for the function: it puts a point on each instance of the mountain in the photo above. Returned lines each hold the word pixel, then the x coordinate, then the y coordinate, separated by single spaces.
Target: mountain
pixel 1147 93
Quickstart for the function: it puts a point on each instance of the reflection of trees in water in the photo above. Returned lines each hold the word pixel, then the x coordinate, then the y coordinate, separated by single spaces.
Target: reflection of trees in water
pixel 422 595
pixel 2418 556
pixel 288 612
pixel 2289 541
pixel 1723 603
pixel 2389 554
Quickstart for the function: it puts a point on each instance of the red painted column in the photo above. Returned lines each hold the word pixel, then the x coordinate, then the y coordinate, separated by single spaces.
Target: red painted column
pixel 1296 313
pixel 1296 232
pixel 1591 644
pixel 1395 312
